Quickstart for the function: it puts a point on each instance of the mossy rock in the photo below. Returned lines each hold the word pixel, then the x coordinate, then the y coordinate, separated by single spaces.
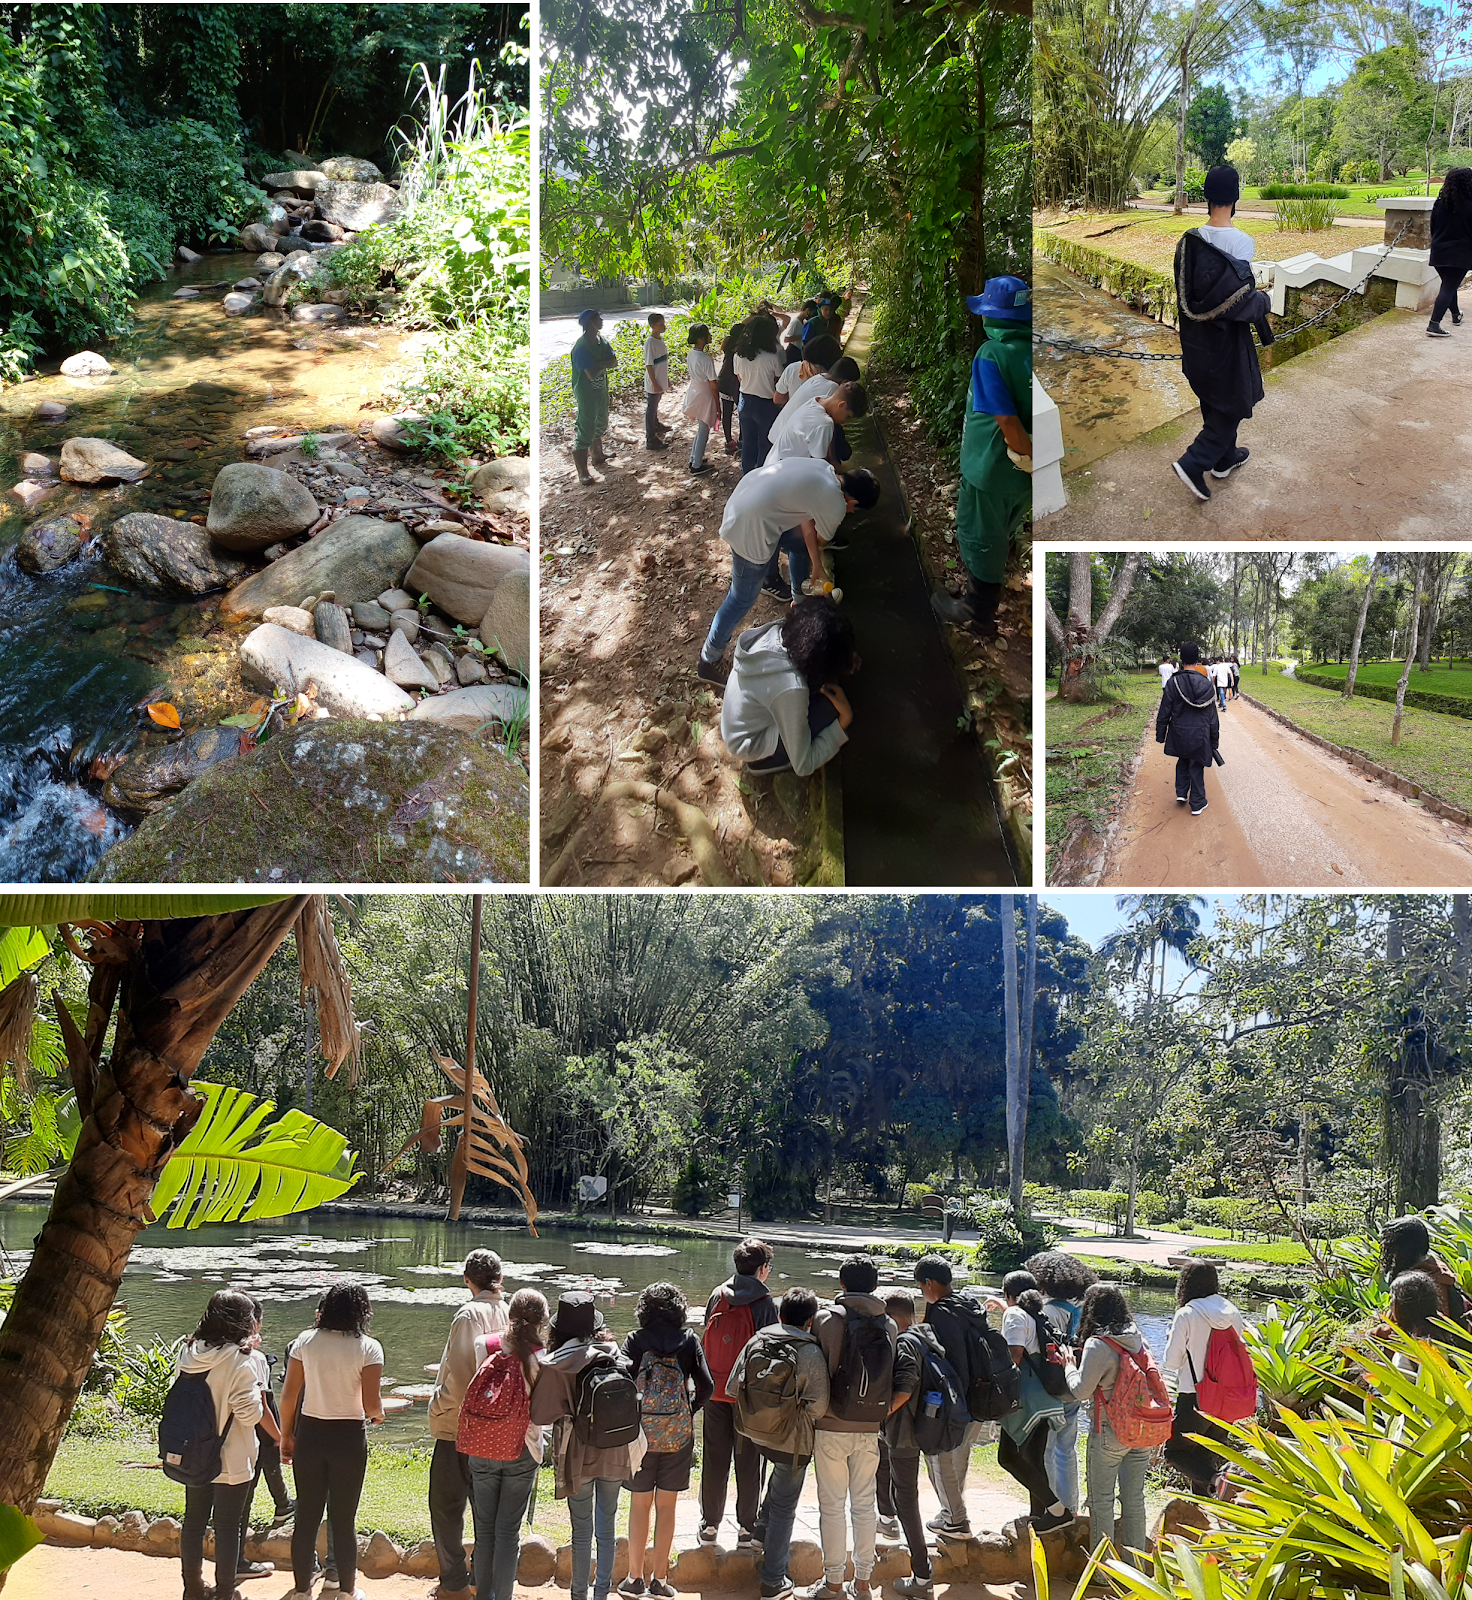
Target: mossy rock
pixel 341 801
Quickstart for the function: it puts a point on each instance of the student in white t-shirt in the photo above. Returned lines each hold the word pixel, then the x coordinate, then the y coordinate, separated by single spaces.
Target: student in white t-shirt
pixel 808 429
pixel 1167 670
pixel 758 364
pixel 702 394
pixel 333 1373
pixel 1221 676
pixel 817 356
pixel 656 382
pixel 1022 1449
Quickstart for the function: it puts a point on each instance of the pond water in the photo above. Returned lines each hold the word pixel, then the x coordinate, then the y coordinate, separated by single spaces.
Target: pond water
pixel 1102 402
pixel 412 1271
pixel 81 649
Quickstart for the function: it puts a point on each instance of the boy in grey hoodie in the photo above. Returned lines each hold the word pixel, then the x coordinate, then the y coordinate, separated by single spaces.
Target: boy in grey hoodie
pixel 914 1339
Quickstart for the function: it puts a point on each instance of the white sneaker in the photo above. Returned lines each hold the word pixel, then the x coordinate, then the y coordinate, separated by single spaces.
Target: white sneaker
pixel 1197 810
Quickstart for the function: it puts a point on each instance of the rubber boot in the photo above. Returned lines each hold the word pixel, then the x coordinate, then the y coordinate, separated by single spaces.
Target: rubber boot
pixel 600 455
pixel 580 461
pixel 976 610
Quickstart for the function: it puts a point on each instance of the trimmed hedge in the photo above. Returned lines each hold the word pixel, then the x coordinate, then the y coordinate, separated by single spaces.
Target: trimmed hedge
pixel 1451 705
pixel 1303 191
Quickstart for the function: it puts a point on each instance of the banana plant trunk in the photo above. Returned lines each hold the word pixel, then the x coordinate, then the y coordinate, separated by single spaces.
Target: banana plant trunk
pixel 174 982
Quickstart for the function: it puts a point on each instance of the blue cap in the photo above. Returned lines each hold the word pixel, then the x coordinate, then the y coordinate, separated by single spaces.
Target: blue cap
pixel 1005 299
pixel 585 317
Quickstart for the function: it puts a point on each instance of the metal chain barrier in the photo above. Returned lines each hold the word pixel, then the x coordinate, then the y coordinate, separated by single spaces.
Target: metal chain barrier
pixel 1175 355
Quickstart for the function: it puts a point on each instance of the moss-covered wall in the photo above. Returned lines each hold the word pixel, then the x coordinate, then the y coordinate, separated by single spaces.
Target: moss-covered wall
pixel 1143 289
pixel 1298 304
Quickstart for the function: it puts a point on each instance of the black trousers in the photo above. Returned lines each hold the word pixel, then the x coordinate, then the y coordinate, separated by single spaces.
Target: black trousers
pixel 449 1494
pixel 1025 1462
pixel 1194 1461
pixel 904 1478
pixel 728 412
pixel 227 1502
pixel 1215 444
pixel 1190 782
pixel 883 1484
pixel 651 415
pixel 1446 296
pixel 720 1446
pixel 330 1462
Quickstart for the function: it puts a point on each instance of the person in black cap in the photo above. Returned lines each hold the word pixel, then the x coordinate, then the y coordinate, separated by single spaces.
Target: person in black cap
pixel 1187 726
pixel 1218 306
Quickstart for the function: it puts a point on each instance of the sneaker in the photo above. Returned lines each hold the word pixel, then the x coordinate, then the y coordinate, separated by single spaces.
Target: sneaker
pixel 1047 1521
pixel 634 1587
pixel 763 769
pixel 958 1531
pixel 732 449
pixel 1194 481
pixel 821 1591
pixel 1434 330
pixel 745 1538
pixel 1239 457
pixel 914 1588
pixel 662 1589
pixel 1197 810
pixel 708 1533
pixel 254 1569
pixel 655 444
pixel 889 1527
pixel 939 1523
pixel 703 467
pixel 777 589
pixel 284 1513
pixel 1181 800
pixel 331 1586
pixel 710 672
pixel 777 1591
pixel 1457 318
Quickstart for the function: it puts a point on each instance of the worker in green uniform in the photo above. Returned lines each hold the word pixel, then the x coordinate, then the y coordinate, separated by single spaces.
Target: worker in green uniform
pixel 592 358
pixel 994 497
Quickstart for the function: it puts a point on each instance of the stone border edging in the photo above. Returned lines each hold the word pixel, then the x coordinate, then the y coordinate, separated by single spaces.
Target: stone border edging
pixel 1362 763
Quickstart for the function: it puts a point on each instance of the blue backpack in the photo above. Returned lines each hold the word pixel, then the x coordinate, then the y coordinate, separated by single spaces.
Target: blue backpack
pixel 189 1438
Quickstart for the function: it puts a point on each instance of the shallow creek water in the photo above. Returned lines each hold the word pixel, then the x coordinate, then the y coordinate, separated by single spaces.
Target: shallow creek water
pixel 412 1270
pixel 81 649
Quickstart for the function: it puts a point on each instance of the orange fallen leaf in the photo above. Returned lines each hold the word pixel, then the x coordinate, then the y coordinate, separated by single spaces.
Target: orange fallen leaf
pixel 165 715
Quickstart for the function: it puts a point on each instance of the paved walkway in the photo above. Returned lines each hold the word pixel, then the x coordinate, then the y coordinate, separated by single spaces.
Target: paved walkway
pixel 1364 438
pixel 1082 1238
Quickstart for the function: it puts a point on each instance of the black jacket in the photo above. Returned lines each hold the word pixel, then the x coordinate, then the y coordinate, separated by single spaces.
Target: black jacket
pixel 948 1319
pixel 1218 357
pixel 1451 234
pixel 684 1346
pixel 1186 723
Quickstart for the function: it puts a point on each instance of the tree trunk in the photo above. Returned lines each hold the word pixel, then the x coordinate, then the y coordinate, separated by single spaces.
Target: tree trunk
pixel 1016 1092
pixel 1236 582
pixel 1079 643
pixel 460 1162
pixel 176 983
pixel 1412 1126
pixel 1400 688
pixel 1359 628
pixel 1129 1204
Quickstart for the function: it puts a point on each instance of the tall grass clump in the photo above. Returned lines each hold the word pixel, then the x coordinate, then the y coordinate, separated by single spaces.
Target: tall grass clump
pixel 1310 214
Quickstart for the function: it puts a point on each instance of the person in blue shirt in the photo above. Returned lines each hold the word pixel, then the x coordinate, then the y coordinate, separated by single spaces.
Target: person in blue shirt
pixel 592 359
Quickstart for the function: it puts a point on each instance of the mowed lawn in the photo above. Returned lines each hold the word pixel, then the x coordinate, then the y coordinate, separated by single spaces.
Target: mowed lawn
pixel 1442 679
pixel 1089 749
pixel 1149 239
pixel 1435 750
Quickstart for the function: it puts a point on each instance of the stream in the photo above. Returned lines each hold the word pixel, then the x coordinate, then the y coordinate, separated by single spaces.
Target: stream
pixel 81 649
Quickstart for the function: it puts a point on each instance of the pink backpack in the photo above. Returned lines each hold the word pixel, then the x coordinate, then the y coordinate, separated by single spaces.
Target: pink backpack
pixel 496 1410
pixel 1227 1388
pixel 1139 1411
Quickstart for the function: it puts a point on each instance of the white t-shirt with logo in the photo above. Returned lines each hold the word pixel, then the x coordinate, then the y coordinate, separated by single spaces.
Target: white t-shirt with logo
pixel 333 1364
pixel 781 495
pixel 656 355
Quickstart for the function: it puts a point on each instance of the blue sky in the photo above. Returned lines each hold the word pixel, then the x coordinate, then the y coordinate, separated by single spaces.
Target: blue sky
pixel 1094 916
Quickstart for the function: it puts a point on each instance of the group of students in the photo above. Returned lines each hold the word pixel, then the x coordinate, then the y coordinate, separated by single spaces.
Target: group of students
pixel 1225 673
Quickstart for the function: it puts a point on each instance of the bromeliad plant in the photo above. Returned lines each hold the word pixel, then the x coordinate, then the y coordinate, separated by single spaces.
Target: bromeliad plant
pixel 1293 1352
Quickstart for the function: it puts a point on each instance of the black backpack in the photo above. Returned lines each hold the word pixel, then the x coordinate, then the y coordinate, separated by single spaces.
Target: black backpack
pixel 994 1383
pixel 606 1404
pixel 190 1440
pixel 861 1387
pixel 941 1416
pixel 1048 1361
pixel 766 1397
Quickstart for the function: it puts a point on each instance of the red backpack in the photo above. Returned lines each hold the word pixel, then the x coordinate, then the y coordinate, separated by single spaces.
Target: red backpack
pixel 1139 1410
pixel 1227 1386
pixel 497 1408
pixel 727 1329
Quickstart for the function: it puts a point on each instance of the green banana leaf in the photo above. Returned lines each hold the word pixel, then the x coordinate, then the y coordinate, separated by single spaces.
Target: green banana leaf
pixel 41 910
pixel 21 948
pixel 17 1535
pixel 235 1166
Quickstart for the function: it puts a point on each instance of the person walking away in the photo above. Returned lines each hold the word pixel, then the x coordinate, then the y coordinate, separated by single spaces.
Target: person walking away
pixel 585 1389
pixel 1024 1442
pixel 1405 1246
pixel 730 386
pixel 758 365
pixel 656 382
pixel 994 497
pixel 1130 1416
pixel 209 1426
pixel 1205 1334
pixel 1166 669
pixel 702 394
pixel 674 1382
pixel 592 359
pixel 784 709
pixel 500 1441
pixel 1221 674
pixel 1064 1280
pixel 1186 724
pixel 780 1380
pixel 735 1311
pixel 1218 308
pixel 332 1391
pixel 449 1471
pixel 1236 679
pixel 789 505
pixel 858 1343
pixel 1451 246
pixel 268 1454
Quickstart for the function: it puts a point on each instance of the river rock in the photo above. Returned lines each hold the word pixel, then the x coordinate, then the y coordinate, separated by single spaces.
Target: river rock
pixel 320 232
pixel 37 466
pixel 389 432
pixel 268 262
pixel 505 485
pixel 246 284
pixel 470 670
pixel 50 411
pixel 255 237
pixel 354 558
pixel 163 555
pixel 338 801
pixel 469 709
pixel 406 622
pixel 371 616
pixel 506 627
pixel 355 205
pixel 252 506
pixel 293 617
pixel 187 255
pixel 45 546
pixel 351 169
pixel 380 1557
pixel 330 623
pixel 186 293
pixel 421 1561
pixel 306 182
pixel 396 600
pixel 30 493
pixel 99 461
pixel 461 575
pixel 237 304
pixel 148 779
pixel 317 313
pixel 85 364
pixel 402 666
pixel 272 657
pixel 285 277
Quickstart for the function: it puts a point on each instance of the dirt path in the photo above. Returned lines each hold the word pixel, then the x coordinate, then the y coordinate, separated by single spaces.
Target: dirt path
pixel 1363 437
pixel 1280 812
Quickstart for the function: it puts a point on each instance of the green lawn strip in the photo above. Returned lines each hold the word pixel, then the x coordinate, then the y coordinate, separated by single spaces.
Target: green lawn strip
pixel 1149 239
pixel 1283 1253
pixel 1435 750
pixel 1088 752
pixel 1358 205
pixel 1437 680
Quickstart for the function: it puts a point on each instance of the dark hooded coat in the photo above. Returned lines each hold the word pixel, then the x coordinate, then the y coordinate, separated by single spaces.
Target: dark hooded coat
pixel 1186 723
pixel 1218 356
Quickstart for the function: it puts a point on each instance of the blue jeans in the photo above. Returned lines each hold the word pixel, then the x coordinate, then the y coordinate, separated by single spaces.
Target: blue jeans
pixel 697 448
pixel 784 1490
pixel 1221 697
pixel 1113 1468
pixel 757 416
pixel 1061 1458
pixel 594 1508
pixel 499 1492
pixel 746 584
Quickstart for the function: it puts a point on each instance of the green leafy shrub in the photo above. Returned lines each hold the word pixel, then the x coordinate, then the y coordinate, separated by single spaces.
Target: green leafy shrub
pixel 1194 180
pixel 188 171
pixel 146 1373
pixel 1303 191
pixel 1305 216
pixel 999 1248
pixel 1451 705
pixel 474 389
pixel 697 1187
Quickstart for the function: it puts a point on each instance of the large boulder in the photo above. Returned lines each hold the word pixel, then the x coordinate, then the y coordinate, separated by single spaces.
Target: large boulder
pixel 472 709
pixel 319 232
pixel 302 182
pixel 355 206
pixel 85 364
pixel 256 237
pixel 295 269
pixel 99 461
pixel 237 304
pixel 355 559
pixel 351 169
pixel 148 778
pixel 462 575
pixel 273 657
pixel 341 802
pixel 506 627
pixel 167 556
pixel 45 546
pixel 505 485
pixel 252 506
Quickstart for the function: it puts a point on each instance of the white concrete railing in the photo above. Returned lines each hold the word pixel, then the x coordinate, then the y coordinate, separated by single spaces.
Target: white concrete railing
pixel 1047 453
